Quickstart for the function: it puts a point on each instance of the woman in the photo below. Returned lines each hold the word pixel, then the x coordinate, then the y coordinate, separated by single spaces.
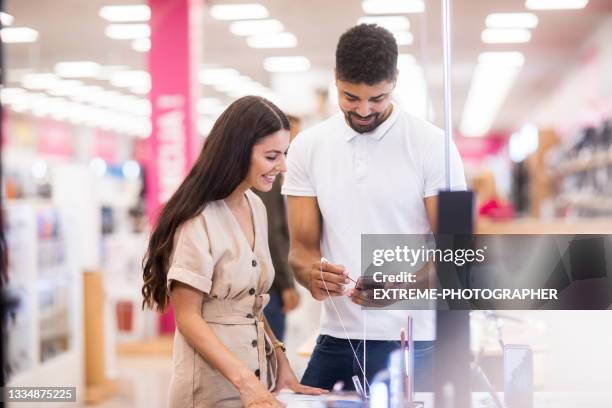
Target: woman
pixel 491 205
pixel 208 254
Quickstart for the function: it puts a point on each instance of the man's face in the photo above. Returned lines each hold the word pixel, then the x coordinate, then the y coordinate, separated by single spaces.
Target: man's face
pixel 365 107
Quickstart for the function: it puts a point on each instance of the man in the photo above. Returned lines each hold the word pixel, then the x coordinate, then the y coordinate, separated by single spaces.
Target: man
pixel 369 169
pixel 283 296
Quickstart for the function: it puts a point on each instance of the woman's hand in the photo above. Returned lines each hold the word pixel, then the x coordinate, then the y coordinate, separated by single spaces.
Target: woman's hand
pixel 254 395
pixel 285 379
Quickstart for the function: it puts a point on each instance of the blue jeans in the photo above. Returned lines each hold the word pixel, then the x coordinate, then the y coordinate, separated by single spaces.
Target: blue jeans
pixel 275 316
pixel 332 360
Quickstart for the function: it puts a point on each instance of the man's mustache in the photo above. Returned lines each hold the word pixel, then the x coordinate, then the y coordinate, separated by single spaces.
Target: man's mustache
pixel 372 115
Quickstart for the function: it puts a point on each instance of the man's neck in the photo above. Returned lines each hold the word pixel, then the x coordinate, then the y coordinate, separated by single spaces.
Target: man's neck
pixel 388 113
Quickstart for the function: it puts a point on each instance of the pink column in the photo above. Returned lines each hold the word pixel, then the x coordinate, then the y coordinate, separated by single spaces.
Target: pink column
pixel 173 64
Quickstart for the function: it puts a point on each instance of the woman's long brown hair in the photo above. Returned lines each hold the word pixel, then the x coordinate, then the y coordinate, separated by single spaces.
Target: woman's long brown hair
pixel 221 166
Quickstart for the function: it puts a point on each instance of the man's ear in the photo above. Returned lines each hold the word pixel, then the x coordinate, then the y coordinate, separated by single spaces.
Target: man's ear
pixel 335 75
pixel 395 77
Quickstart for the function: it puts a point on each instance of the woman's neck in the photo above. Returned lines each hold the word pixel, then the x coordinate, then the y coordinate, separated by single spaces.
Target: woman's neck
pixel 236 198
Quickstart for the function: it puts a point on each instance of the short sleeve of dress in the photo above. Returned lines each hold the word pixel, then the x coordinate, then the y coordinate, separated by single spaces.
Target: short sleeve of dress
pixel 191 261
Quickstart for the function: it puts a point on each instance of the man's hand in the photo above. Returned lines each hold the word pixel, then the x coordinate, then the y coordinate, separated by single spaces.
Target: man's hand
pixel 291 299
pixel 335 277
pixel 363 293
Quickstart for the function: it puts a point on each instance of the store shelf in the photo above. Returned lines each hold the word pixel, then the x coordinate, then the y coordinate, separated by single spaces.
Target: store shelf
pixel 579 165
pixel 44 336
pixel 586 202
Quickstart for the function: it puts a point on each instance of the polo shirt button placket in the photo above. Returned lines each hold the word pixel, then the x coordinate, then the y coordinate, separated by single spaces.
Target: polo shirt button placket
pixel 360 158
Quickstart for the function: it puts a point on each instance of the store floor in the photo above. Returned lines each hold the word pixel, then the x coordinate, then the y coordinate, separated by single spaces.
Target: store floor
pixel 142 382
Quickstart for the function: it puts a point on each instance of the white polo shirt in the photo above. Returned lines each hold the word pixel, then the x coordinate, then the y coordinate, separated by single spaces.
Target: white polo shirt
pixel 370 183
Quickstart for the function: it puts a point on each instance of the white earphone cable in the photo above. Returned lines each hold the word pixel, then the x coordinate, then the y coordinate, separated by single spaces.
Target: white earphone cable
pixel 323 260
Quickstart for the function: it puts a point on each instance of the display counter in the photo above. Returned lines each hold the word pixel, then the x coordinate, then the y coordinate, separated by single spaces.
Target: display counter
pixel 541 226
pixel 479 399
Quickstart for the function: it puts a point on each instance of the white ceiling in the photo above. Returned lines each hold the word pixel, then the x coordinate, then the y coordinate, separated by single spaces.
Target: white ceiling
pixel 72 30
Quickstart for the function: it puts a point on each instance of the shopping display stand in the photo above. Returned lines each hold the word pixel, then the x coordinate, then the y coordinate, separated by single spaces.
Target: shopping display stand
pixel 44 339
pixel 98 386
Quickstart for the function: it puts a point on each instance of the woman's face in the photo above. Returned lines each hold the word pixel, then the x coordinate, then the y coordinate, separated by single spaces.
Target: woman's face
pixel 268 160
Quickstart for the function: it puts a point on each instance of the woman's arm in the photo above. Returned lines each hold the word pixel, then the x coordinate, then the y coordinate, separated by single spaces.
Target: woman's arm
pixel 281 357
pixel 187 303
pixel 285 377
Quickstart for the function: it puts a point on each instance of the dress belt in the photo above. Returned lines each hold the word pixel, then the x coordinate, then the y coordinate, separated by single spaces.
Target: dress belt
pixel 244 310
pixel 247 310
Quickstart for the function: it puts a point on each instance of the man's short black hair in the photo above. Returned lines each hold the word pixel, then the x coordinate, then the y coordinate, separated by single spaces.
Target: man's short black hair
pixel 366 53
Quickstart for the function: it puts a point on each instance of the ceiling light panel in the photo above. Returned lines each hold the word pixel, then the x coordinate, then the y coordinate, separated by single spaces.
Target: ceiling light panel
pixel 87 93
pixel 391 23
pixel 15 35
pixel 511 20
pixel 6 19
pixel 392 6
pixel 141 89
pixel 141 45
pixel 511 58
pixel 65 88
pixel 125 14
pixel 77 69
pixel 505 35
pixel 238 11
pixel 10 95
pixel 403 37
pixel 287 64
pixel 280 40
pixel 255 27
pixel 107 71
pixel 39 81
pixel 126 79
pixel 127 31
pixel 556 4
pixel 231 84
pixel 216 76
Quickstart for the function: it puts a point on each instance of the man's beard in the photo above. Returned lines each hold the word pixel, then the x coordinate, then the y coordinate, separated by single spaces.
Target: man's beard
pixel 378 119
pixel 350 116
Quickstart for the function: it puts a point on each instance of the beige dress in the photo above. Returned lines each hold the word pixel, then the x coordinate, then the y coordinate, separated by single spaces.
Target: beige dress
pixel 211 254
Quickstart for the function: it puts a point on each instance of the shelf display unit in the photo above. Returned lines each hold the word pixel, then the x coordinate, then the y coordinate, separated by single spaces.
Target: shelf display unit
pixel 584 171
pixel 43 332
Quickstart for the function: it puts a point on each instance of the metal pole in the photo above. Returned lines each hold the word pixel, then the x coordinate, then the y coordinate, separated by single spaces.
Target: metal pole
pixel 424 44
pixel 448 122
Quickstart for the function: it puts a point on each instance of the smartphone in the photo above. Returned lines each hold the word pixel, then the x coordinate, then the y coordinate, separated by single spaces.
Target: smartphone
pixel 518 376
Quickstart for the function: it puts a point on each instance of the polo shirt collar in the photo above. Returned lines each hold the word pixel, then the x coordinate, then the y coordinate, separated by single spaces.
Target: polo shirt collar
pixel 379 132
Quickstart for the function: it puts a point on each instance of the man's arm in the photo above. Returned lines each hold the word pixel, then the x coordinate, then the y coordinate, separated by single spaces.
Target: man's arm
pixel 305 236
pixel 305 251
pixel 278 237
pixel 431 207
